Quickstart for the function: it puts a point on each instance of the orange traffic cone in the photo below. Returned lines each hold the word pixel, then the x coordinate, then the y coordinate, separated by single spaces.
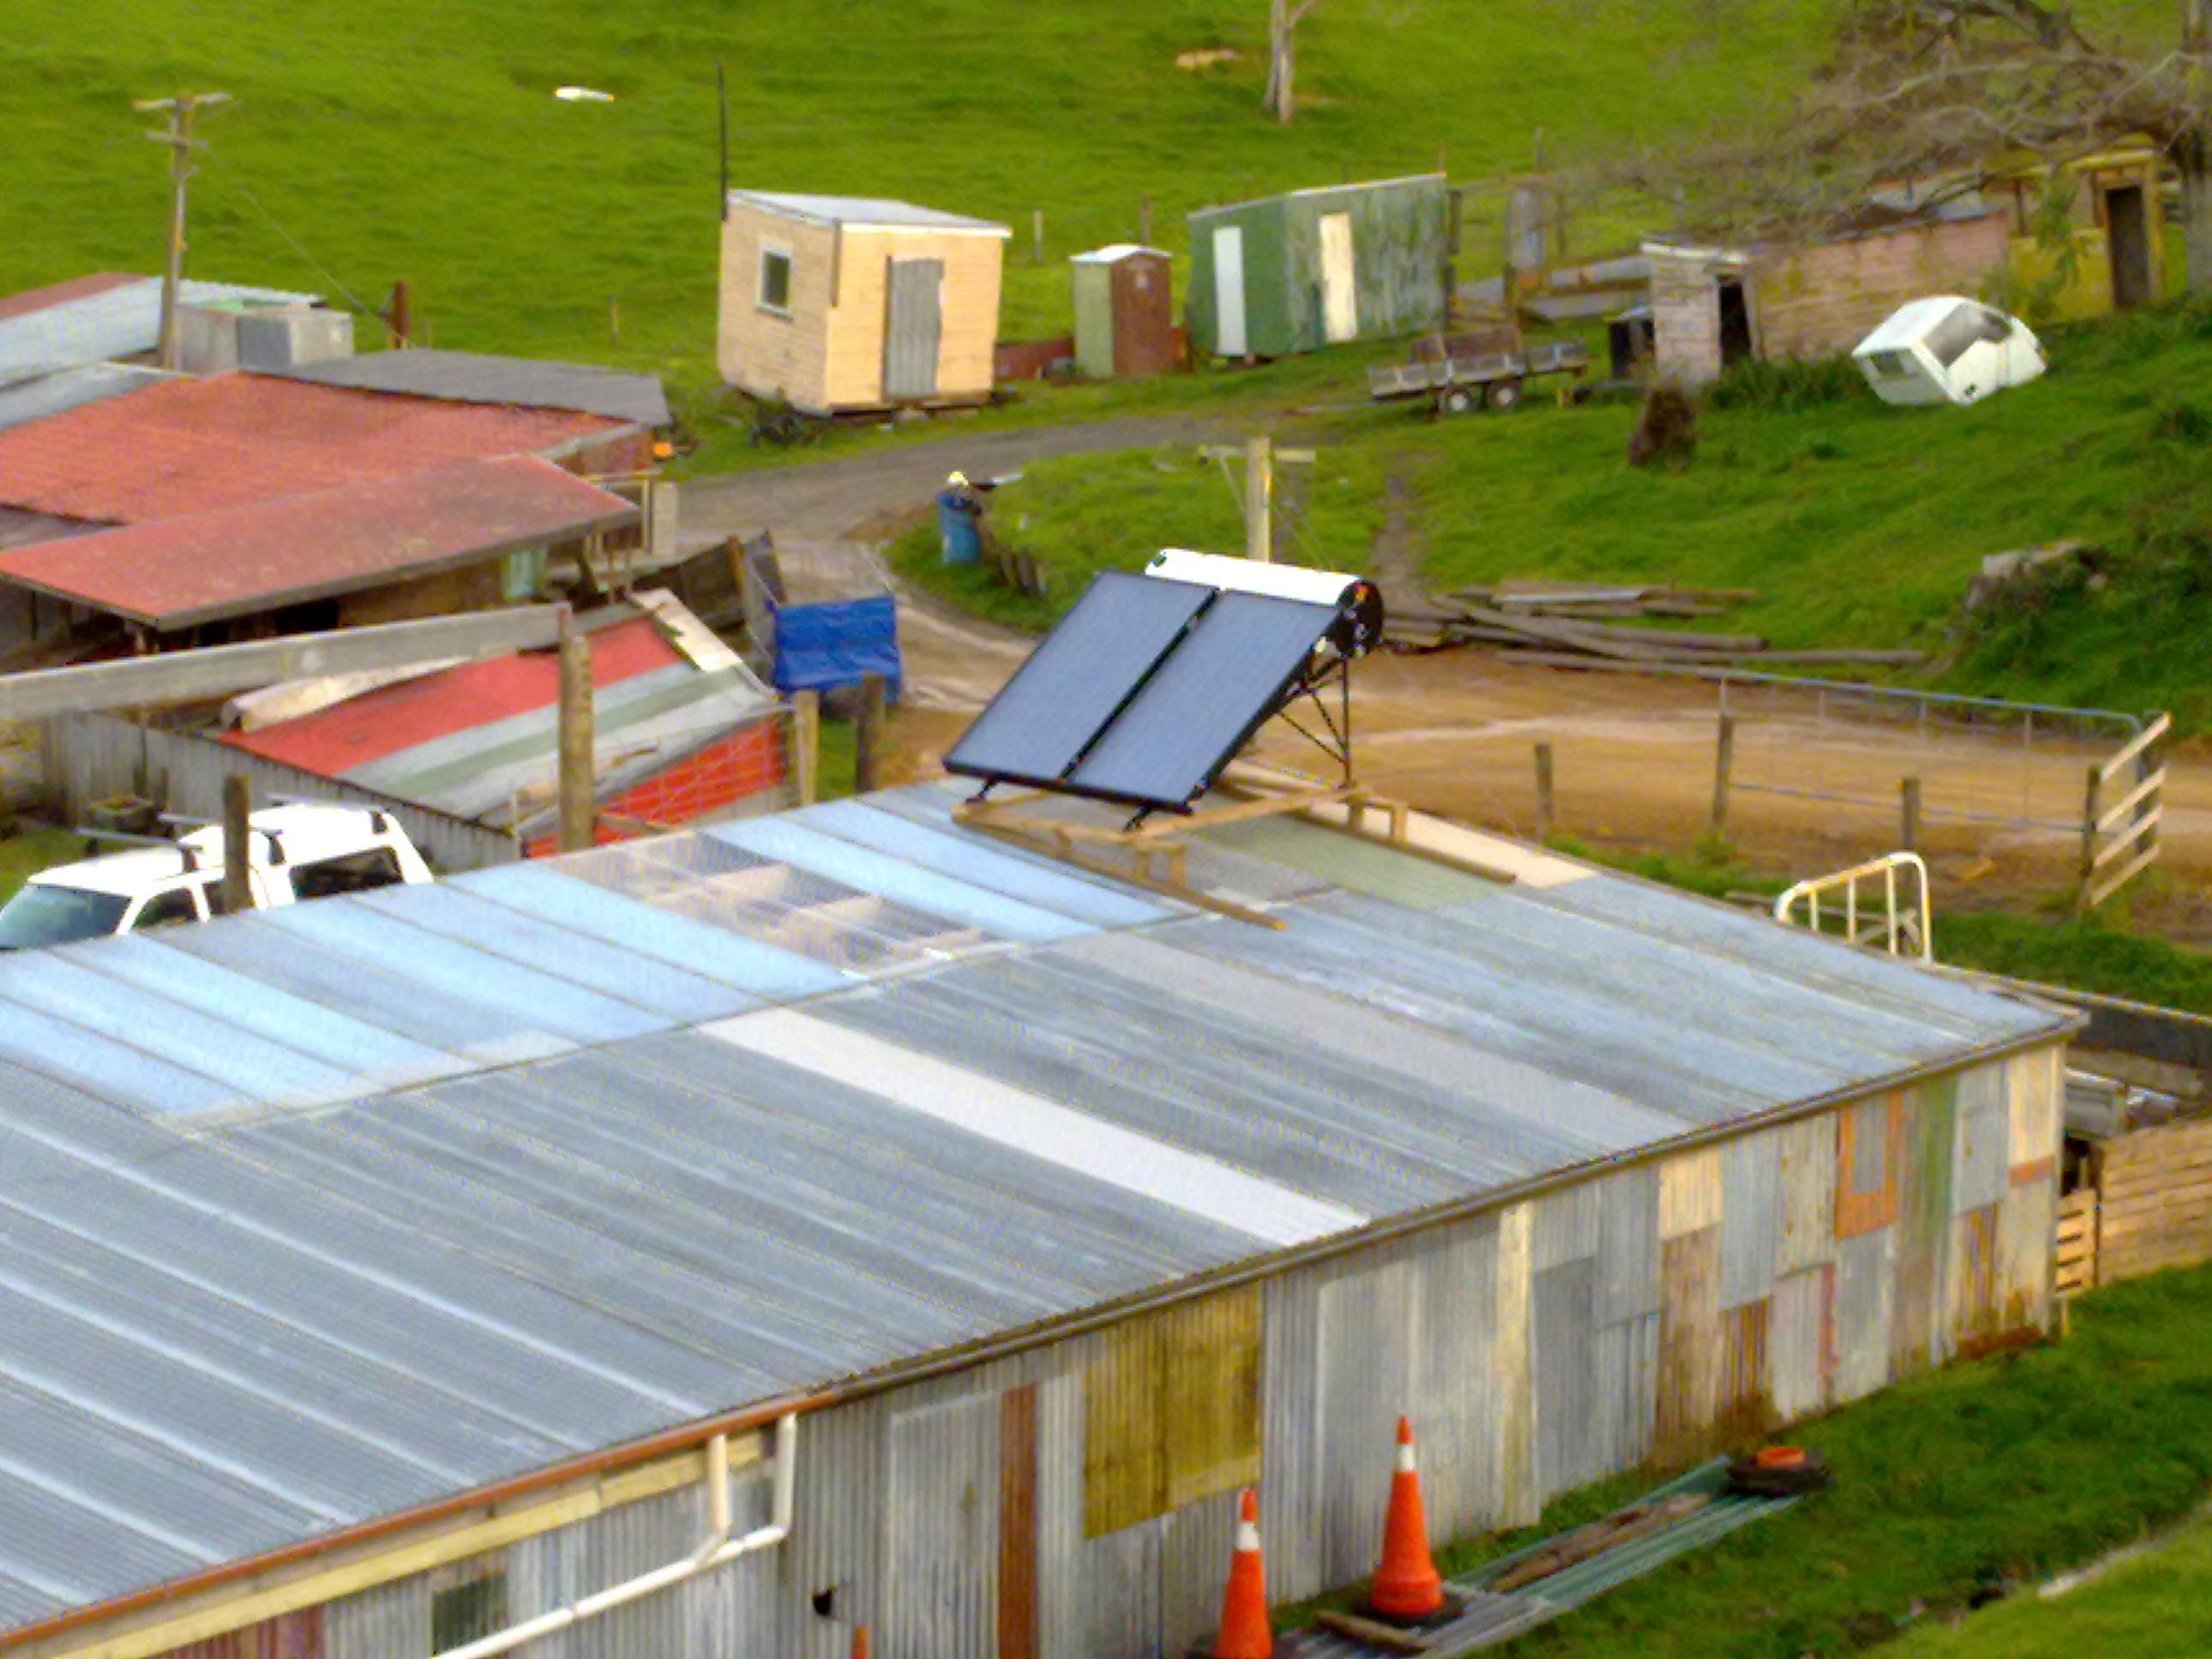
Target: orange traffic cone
pixel 861 1642
pixel 1406 1585
pixel 1245 1631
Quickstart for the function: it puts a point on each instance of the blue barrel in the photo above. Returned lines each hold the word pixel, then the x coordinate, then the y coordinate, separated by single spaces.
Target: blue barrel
pixel 958 514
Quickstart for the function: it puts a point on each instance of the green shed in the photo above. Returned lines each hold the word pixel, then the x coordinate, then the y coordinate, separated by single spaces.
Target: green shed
pixel 1124 313
pixel 1318 267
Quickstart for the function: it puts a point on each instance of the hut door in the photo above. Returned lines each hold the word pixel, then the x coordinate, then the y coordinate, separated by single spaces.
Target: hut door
pixel 1230 339
pixel 941 1507
pixel 2129 229
pixel 913 328
pixel 1340 288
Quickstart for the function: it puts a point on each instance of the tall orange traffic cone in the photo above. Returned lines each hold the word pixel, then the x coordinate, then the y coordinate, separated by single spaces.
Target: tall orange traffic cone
pixel 861 1642
pixel 1406 1585
pixel 1245 1631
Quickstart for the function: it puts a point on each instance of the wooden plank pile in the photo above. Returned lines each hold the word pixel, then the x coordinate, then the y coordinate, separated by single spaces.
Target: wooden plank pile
pixel 1594 625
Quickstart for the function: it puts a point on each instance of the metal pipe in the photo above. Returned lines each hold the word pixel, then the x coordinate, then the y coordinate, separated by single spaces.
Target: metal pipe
pixel 716 1549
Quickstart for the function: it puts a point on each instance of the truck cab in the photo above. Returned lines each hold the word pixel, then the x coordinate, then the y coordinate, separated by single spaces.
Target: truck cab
pixel 307 850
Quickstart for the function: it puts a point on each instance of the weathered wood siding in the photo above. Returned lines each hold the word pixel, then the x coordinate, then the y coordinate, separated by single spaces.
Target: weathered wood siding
pixel 761 351
pixel 970 301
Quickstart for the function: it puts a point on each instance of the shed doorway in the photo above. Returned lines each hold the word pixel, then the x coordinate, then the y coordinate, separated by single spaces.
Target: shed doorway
pixel 1231 340
pixel 913 328
pixel 1340 288
pixel 2128 230
pixel 1735 322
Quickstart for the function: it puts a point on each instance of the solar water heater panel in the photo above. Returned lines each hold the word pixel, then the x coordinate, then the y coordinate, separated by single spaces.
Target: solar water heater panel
pixel 1038 727
pixel 1227 675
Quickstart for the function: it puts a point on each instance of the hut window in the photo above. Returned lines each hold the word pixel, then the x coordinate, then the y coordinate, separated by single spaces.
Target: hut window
pixel 1171 1411
pixel 775 281
pixel 468 1601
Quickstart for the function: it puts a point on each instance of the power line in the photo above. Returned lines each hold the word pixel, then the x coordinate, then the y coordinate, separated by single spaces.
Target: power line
pixel 235 178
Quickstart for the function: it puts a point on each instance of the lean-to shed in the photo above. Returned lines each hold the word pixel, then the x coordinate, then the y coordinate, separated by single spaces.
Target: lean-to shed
pixel 844 302
pixel 1315 268
pixel 386 1272
pixel 1124 313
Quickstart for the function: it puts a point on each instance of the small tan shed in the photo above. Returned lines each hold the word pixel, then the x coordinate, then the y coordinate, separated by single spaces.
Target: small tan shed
pixel 839 303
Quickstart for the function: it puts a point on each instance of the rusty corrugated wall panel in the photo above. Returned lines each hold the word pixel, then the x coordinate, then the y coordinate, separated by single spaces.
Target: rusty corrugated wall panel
pixel 1745 1407
pixel 2036 1084
pixel 1569 1390
pixel 2027 1221
pixel 1566 1225
pixel 1982 1152
pixel 1975 1310
pixel 1689 1344
pixel 1689 1193
pixel 375 1624
pixel 1919 1335
pixel 1626 1364
pixel 1866 1279
pixel 1627 1285
pixel 1017 1523
pixel 290 1636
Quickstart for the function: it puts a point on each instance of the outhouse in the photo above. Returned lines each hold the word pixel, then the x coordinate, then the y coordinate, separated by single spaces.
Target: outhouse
pixel 1318 268
pixel 837 303
pixel 1124 313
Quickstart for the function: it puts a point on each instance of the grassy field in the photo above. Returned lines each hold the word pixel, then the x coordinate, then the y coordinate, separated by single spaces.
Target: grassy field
pixel 23 856
pixel 419 139
pixel 2149 1607
pixel 1972 1481
pixel 1859 525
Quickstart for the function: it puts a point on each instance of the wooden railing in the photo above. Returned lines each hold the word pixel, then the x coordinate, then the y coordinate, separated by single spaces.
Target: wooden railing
pixel 2120 823
pixel 2077 1242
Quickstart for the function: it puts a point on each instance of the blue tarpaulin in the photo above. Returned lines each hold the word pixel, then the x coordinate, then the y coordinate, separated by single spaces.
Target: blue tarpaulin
pixel 820 648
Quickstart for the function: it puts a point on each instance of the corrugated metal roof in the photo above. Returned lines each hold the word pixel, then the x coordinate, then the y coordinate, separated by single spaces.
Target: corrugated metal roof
pixel 115 319
pixel 199 446
pixel 244 560
pixel 866 212
pixel 70 388
pixel 471 377
pixel 312 1216
pixel 481 740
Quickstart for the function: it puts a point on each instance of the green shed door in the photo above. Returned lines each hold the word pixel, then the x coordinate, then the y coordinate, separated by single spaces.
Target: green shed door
pixel 1094 321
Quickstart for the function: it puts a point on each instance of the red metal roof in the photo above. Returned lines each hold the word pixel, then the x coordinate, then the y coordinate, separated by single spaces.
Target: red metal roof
pixel 193 446
pixel 397 718
pixel 60 294
pixel 178 572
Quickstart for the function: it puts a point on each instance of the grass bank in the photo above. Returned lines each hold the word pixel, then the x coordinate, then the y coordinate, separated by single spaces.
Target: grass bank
pixel 1964 1484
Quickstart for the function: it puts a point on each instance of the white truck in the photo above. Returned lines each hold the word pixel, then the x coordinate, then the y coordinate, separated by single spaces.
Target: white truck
pixel 301 850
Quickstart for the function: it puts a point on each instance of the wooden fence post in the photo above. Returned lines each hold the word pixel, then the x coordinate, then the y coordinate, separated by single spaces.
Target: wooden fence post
pixel 1036 237
pixel 868 737
pixel 1723 769
pixel 1909 791
pixel 806 745
pixel 1545 820
pixel 237 888
pixel 579 773
pixel 2089 835
pixel 1258 498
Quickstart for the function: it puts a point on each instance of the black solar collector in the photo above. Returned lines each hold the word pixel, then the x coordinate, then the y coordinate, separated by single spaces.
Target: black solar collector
pixel 1057 703
pixel 1218 686
pixel 1144 691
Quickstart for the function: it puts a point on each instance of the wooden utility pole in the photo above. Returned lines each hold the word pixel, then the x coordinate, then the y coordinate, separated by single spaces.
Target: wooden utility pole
pixel 237 889
pixel 1545 820
pixel 579 779
pixel 400 319
pixel 807 744
pixel 180 110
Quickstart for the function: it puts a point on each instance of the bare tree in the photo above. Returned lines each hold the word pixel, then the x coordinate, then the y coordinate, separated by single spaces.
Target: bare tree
pixel 1283 17
pixel 1958 90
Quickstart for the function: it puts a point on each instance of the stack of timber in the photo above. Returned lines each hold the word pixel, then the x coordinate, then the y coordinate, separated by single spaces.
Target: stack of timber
pixel 2154 1200
pixel 1591 625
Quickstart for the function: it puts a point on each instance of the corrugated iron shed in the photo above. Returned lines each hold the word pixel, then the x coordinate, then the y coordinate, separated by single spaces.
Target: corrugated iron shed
pixel 199 446
pixel 863 212
pixel 471 377
pixel 315 1215
pixel 242 560
pixel 480 740
pixel 100 319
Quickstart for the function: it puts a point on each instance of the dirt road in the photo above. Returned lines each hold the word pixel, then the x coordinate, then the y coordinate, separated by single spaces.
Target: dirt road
pixel 1455 732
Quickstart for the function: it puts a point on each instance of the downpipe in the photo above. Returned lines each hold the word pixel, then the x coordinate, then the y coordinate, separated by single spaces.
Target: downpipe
pixel 716 1549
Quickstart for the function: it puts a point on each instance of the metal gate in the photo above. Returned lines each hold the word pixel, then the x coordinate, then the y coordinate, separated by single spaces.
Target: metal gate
pixel 1940 757
pixel 913 328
